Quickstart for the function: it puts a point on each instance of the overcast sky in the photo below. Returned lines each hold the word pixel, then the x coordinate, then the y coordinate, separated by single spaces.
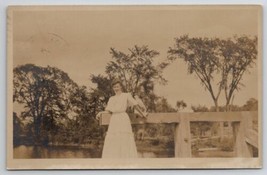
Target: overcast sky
pixel 78 42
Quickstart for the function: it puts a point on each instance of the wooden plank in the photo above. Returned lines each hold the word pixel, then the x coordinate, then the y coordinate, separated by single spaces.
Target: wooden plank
pixel 194 117
pixel 215 116
pixel 237 139
pixel 182 138
pixel 151 118
pixel 163 118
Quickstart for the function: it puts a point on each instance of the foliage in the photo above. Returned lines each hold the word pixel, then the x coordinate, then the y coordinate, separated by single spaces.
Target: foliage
pixel 209 58
pixel 139 77
pixel 140 73
pixel 199 128
pixel 251 105
pixel 227 144
pixel 180 105
pixel 199 108
pixel 162 105
pixel 155 142
pixel 59 110
pixel 83 124
pixel 202 59
pixel 17 128
pixel 44 93
pixel 238 55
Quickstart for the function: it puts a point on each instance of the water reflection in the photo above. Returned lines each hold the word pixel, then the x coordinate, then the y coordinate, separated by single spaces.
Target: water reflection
pixel 30 152
pixel 147 155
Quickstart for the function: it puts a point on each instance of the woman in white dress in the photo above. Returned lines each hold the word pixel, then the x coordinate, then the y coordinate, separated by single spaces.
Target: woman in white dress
pixel 119 141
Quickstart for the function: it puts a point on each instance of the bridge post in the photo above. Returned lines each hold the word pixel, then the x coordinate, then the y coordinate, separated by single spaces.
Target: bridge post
pixel 241 148
pixel 251 137
pixel 182 138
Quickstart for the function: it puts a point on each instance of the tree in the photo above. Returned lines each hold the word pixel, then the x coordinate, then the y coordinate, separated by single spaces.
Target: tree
pixel 200 128
pixel 237 56
pixel 84 125
pixel 44 92
pixel 202 59
pixel 100 95
pixel 17 128
pixel 199 108
pixel 251 105
pixel 162 105
pixel 141 71
pixel 211 58
pixel 180 105
pixel 138 77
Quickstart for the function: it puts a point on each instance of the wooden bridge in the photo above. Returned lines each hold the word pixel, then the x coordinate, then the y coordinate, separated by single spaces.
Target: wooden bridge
pixel 245 137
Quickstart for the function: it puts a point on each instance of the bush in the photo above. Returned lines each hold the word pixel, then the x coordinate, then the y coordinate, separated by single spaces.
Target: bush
pixel 227 144
pixel 155 142
pixel 170 144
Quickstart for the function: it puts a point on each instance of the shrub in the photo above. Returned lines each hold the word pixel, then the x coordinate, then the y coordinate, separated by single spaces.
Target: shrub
pixel 170 144
pixel 227 144
pixel 155 142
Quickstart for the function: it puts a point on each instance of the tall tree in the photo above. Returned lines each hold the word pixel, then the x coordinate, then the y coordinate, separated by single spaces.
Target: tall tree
pixel 237 56
pixel 17 128
pixel 44 92
pixel 202 59
pixel 219 64
pixel 141 70
pixel 83 124
pixel 138 72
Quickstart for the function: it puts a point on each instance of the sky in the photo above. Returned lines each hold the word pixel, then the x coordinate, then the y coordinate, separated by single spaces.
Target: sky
pixel 78 41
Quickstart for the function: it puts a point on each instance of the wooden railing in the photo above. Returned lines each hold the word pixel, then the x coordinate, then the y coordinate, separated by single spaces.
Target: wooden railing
pixel 245 137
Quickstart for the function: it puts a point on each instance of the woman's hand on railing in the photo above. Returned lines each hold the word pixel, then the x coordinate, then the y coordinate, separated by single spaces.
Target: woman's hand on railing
pixel 140 112
pixel 145 114
pixel 98 115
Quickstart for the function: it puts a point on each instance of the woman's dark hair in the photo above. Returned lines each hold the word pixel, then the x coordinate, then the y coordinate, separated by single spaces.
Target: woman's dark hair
pixel 116 81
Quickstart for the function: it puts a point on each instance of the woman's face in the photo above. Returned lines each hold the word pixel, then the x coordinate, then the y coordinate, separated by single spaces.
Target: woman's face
pixel 117 88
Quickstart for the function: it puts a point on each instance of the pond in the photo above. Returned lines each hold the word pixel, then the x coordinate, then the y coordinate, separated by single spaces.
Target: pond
pixel 28 152
pixel 31 152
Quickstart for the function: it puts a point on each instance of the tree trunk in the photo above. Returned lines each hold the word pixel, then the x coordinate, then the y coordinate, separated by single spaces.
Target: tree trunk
pixel 227 105
pixel 228 100
pixel 216 105
pixel 37 125
pixel 221 127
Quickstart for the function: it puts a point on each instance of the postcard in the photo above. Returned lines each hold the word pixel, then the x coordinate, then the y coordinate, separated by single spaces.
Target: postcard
pixel 134 87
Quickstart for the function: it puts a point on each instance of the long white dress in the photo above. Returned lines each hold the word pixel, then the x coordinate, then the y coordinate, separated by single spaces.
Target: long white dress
pixel 119 141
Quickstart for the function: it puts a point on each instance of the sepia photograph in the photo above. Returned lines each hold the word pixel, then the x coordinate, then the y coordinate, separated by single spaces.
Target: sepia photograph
pixel 134 87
